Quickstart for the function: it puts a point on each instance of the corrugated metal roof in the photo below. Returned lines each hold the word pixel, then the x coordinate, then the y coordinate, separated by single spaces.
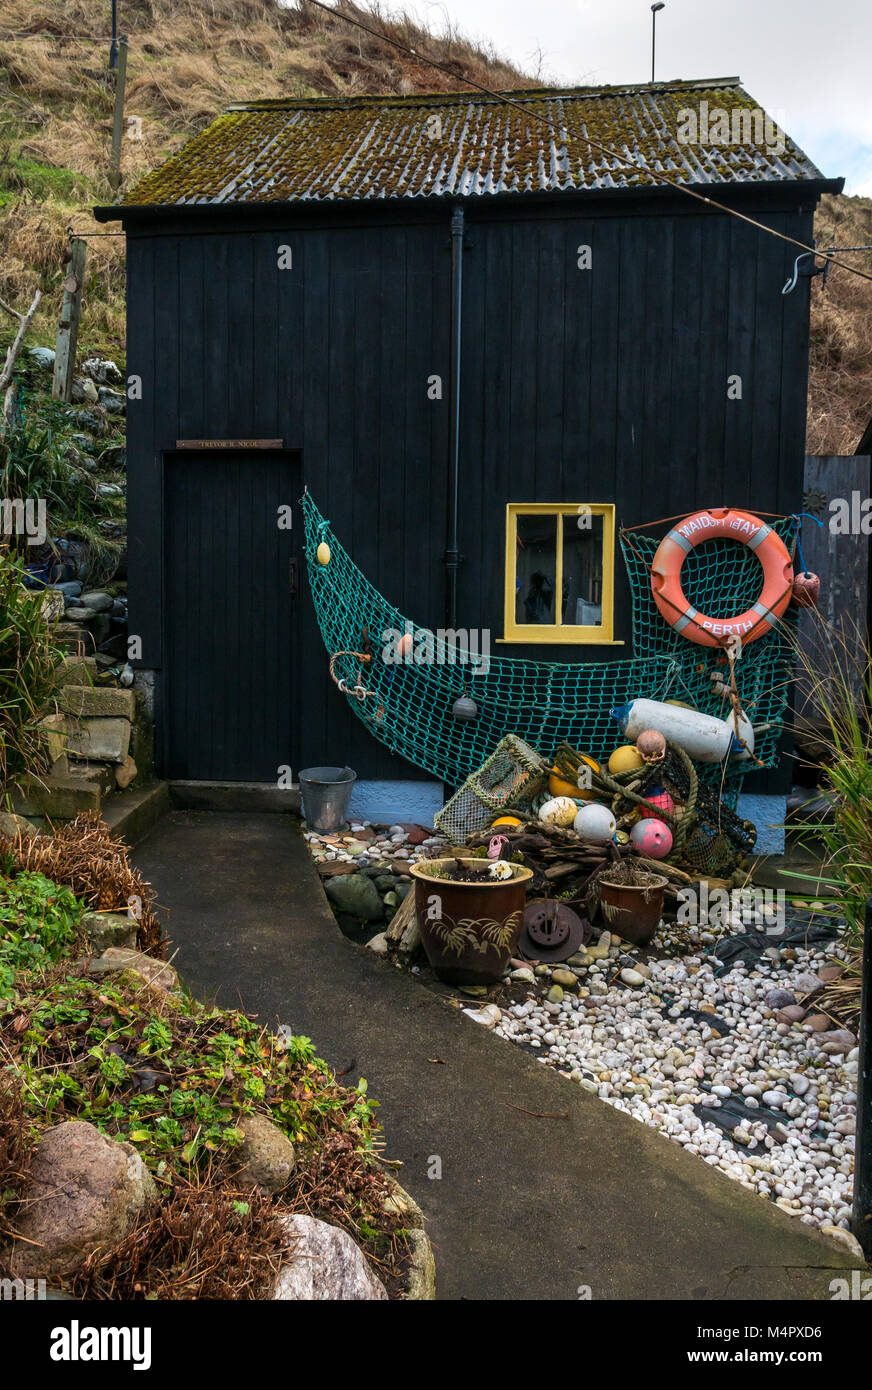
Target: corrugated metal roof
pixel 462 145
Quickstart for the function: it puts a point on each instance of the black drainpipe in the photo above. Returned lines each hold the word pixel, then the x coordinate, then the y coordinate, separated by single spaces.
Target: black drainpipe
pixel 452 552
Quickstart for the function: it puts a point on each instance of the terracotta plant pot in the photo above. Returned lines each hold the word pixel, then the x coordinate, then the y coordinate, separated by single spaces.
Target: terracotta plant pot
pixel 630 911
pixel 470 930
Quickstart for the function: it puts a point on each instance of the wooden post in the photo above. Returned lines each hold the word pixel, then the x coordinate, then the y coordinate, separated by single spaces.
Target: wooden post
pixel 68 328
pixel 118 117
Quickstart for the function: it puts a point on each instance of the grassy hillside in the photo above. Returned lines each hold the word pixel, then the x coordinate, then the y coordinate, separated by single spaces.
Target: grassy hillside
pixel 840 376
pixel 188 60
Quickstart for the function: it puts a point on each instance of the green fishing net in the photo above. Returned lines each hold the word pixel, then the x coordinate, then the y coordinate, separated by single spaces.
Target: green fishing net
pixel 408 705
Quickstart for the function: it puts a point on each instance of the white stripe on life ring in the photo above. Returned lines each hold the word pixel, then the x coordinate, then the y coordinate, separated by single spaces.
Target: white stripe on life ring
pixel 764 612
pixel 680 540
pixel 759 537
pixel 687 617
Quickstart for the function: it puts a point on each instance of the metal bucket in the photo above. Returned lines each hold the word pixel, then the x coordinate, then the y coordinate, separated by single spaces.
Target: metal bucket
pixel 325 793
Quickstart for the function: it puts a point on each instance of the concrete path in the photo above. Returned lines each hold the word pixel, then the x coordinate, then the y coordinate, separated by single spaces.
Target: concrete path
pixel 527 1207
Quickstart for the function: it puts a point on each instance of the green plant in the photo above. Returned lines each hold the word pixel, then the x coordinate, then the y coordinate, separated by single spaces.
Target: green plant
pixel 171 1077
pixel 836 681
pixel 38 922
pixel 34 465
pixel 29 670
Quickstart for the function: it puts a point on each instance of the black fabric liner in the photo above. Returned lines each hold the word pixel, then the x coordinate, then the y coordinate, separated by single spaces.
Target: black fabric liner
pixel 734 1111
pixel 750 945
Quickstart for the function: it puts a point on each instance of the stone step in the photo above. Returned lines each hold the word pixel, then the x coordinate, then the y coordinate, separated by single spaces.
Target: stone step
pixel 73 639
pixel 106 702
pixel 97 738
pixel 132 814
pixel 60 796
pixel 79 670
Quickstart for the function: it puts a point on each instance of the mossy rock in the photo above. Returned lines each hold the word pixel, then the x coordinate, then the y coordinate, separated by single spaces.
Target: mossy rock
pixel 421 1279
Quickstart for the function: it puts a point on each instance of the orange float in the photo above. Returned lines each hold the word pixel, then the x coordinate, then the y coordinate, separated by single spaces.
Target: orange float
pixel 722 523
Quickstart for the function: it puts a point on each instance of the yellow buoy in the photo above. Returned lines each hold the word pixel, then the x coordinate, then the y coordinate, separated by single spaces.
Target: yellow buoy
pixel 626 759
pixel 322 554
pixel 558 786
pixel 507 820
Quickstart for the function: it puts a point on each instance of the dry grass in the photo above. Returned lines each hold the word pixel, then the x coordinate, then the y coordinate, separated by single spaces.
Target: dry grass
pixel 86 857
pixel 204 1240
pixel 188 60
pixel 840 359
pixel 16 1147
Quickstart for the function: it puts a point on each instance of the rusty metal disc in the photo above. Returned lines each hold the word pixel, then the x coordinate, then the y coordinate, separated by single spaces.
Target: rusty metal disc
pixel 551 931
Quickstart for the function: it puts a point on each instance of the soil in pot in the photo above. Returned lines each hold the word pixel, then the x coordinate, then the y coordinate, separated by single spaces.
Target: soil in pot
pixel 632 903
pixel 469 925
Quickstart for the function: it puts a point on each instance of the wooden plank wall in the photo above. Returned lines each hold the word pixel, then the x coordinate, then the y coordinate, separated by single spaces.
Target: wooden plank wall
pixel 607 385
pixel 842 561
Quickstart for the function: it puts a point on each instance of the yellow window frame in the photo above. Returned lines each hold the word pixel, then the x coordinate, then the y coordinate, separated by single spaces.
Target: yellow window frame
pixel 601 634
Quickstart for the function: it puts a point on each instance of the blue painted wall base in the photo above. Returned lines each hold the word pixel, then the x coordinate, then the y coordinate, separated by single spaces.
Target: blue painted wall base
pixel 419 801
pixel 768 814
pixel 396 801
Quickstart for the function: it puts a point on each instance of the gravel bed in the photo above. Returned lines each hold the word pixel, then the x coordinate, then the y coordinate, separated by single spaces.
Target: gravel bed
pixel 673 1039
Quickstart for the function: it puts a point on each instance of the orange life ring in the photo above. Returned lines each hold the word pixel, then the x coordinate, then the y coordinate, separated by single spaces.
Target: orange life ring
pixel 729 524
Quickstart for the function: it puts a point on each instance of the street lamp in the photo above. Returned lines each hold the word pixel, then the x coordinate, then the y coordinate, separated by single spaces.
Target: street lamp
pixel 113 49
pixel 661 5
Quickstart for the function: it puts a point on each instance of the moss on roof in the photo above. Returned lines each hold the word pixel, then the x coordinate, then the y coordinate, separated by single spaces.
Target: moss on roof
pixel 462 144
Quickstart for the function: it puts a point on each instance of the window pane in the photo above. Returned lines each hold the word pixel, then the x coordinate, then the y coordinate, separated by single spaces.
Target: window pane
pixel 536 567
pixel 582 571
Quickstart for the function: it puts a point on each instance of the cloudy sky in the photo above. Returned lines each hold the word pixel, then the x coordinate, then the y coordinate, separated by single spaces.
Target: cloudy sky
pixel 809 64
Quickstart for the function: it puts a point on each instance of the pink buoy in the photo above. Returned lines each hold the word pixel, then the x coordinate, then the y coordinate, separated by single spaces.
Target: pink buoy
pixel 653 838
pixel 662 800
pixel 806 590
pixel 651 745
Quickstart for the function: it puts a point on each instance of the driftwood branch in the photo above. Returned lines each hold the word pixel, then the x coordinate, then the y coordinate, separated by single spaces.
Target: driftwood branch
pixel 24 322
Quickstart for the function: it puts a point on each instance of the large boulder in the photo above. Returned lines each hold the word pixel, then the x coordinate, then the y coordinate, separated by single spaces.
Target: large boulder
pixel 265 1156
pixel 85 1193
pixel 357 895
pixel 324 1264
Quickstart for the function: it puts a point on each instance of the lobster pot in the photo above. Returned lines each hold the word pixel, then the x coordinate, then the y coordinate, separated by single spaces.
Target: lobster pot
pixel 510 778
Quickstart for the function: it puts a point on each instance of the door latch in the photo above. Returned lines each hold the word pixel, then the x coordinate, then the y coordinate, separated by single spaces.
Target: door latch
pixel 294 576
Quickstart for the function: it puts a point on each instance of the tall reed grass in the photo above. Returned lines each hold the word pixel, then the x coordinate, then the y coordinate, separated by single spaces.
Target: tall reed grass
pixel 30 665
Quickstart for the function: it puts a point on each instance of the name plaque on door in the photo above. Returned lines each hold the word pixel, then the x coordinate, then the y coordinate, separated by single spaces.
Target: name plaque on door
pixel 229 443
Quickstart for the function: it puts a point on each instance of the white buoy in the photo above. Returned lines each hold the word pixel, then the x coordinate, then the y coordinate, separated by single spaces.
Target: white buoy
pixel 595 824
pixel 702 736
pixel 560 810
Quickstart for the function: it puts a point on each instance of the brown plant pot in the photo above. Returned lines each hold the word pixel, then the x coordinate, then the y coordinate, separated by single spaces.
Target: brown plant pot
pixel 470 930
pixel 631 911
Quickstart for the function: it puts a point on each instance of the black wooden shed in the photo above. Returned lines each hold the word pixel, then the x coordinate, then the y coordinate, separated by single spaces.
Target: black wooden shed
pixel 456 320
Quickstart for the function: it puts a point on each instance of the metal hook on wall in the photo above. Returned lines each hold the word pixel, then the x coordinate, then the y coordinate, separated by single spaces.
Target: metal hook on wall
pixel 818 269
pixel 790 286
